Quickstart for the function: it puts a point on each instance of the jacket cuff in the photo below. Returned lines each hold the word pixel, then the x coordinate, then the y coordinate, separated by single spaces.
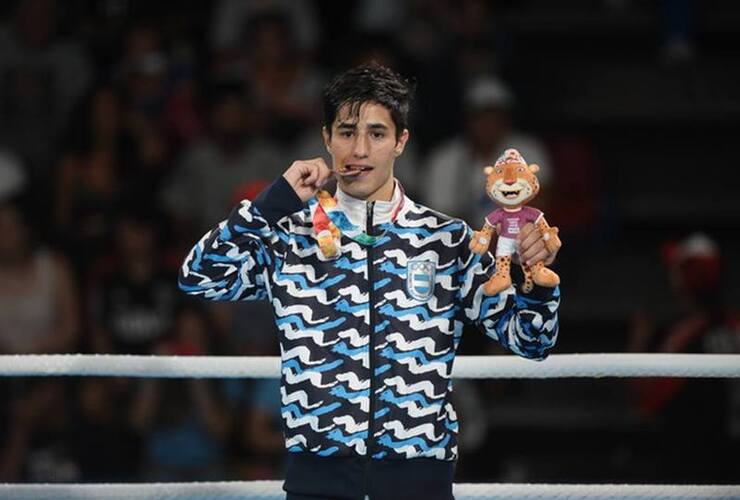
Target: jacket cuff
pixel 538 293
pixel 277 201
pixel 541 293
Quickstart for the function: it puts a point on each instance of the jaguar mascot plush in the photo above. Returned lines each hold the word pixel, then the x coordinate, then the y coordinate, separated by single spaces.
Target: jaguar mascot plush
pixel 511 184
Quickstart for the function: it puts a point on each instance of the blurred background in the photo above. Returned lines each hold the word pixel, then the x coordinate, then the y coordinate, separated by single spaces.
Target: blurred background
pixel 128 128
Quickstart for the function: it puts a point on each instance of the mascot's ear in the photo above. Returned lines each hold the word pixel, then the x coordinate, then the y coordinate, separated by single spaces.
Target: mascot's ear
pixel 534 168
pixel 488 170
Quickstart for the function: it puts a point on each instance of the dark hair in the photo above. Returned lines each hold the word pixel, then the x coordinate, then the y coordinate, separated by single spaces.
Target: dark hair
pixel 369 83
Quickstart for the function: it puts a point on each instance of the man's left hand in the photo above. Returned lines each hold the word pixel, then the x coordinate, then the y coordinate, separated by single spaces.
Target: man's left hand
pixel 532 247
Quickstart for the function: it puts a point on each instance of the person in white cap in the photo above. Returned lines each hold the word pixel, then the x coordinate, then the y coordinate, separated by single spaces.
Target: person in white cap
pixel 452 184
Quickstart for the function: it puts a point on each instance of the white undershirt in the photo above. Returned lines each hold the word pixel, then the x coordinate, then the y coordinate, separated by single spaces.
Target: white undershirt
pixel 356 209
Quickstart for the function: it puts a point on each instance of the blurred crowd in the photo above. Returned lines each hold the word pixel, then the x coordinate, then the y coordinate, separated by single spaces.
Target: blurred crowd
pixel 129 128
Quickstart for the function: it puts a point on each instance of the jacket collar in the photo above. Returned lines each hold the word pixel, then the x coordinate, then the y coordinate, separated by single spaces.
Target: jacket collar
pixel 384 211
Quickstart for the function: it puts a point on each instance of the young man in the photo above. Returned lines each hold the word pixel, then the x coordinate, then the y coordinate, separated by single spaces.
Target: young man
pixel 370 292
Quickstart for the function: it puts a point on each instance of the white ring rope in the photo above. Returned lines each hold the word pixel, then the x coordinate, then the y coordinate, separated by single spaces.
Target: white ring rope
pixel 272 490
pixel 556 366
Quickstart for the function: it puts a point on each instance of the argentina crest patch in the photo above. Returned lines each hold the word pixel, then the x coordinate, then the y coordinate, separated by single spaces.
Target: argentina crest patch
pixel 420 274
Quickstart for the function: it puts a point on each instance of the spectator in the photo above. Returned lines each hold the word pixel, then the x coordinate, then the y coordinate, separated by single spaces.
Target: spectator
pixel 38 299
pixel 106 162
pixel 38 445
pixel 211 171
pixel 155 94
pixel 261 431
pixel 104 443
pixel 144 71
pixel 41 78
pixel 455 182
pixel 132 303
pixel 89 177
pixel 230 17
pixel 704 324
pixel 159 99
pixel 185 422
pixel 286 84
pixel 423 28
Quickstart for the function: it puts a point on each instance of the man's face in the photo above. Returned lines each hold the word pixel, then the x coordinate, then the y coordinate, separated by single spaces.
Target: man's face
pixel 488 127
pixel 363 148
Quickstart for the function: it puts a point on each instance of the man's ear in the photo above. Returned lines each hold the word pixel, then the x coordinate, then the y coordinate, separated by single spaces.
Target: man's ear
pixel 327 138
pixel 401 142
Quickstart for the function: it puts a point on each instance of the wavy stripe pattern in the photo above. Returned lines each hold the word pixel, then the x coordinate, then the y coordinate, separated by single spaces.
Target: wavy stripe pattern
pixel 322 310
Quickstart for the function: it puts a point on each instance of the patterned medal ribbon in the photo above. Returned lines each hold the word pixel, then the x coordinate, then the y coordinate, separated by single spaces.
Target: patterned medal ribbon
pixel 329 219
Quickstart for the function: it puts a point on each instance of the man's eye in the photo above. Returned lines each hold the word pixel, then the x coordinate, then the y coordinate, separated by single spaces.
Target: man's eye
pixel 378 135
pixel 346 133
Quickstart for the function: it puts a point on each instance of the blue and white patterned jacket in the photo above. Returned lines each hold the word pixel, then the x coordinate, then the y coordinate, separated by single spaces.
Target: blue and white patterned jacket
pixel 367 339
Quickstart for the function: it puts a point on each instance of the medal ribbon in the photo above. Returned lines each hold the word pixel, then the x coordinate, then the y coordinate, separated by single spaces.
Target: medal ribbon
pixel 326 212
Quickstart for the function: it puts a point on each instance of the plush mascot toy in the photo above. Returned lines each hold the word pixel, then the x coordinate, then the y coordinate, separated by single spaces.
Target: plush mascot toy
pixel 511 183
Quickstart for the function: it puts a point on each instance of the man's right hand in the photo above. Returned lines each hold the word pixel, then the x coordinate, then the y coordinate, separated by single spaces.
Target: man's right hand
pixel 307 176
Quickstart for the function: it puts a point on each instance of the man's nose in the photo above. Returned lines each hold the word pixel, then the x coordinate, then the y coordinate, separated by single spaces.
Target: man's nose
pixel 360 147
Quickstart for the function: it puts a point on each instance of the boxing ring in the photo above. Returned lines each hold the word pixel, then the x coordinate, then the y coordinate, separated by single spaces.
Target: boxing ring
pixel 556 366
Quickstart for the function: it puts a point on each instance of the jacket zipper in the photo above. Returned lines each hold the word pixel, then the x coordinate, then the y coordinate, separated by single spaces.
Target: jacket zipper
pixel 371 344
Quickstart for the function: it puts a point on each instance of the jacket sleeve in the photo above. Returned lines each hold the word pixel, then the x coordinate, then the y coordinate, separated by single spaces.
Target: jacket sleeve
pixel 234 260
pixel 525 324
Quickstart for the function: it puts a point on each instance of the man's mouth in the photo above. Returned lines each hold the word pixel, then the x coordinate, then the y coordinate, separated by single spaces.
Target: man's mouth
pixel 354 170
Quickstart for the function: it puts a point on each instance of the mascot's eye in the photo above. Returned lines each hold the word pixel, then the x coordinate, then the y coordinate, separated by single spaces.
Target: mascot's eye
pixel 498 170
pixel 520 169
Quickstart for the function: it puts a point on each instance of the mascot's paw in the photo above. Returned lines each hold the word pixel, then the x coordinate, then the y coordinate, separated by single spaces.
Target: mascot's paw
pixel 479 242
pixel 497 284
pixel 545 277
